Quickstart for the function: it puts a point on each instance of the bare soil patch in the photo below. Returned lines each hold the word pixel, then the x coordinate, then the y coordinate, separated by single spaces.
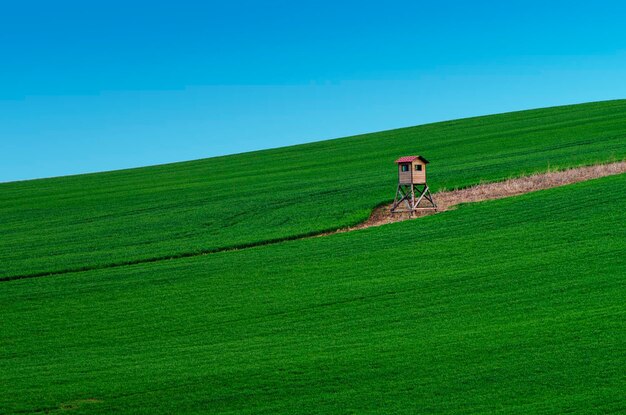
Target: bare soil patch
pixel 448 199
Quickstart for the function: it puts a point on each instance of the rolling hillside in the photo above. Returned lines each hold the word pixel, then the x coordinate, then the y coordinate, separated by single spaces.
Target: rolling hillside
pixel 97 220
pixel 507 306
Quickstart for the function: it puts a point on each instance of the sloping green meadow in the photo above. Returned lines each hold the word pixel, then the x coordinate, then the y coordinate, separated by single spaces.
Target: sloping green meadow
pixel 96 220
pixel 508 306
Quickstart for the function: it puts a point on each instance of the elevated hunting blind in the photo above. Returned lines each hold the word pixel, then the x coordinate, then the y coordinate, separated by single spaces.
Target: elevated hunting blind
pixel 412 193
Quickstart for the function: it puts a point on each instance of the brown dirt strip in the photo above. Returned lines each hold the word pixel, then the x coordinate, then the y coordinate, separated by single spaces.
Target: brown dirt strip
pixel 446 200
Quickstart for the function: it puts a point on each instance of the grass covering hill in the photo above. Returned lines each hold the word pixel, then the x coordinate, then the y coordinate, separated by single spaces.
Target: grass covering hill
pixel 507 306
pixel 96 220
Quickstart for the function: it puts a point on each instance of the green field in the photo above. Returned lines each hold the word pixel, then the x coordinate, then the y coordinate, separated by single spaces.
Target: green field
pixel 507 306
pixel 124 216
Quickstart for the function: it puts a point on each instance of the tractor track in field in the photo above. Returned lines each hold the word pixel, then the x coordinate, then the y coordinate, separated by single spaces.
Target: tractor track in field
pixel 381 215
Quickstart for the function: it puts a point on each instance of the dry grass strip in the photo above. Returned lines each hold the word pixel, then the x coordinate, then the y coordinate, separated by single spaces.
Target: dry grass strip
pixel 447 200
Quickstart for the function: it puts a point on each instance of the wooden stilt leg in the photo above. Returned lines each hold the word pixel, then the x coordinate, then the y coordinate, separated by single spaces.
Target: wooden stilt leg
pixel 395 201
pixel 422 193
pixel 413 198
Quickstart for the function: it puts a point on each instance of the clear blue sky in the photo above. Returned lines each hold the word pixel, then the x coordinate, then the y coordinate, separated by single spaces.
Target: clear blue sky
pixel 92 86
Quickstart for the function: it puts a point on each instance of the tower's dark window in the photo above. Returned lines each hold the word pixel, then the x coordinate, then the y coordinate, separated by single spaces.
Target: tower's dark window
pixel 418 167
pixel 405 167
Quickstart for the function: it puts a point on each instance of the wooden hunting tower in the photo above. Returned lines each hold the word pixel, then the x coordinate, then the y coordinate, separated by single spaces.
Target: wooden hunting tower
pixel 412 193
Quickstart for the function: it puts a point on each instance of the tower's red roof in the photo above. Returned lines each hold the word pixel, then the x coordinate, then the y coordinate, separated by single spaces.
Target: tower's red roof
pixel 409 159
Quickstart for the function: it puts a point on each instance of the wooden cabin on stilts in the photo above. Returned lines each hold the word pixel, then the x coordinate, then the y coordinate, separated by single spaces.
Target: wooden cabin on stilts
pixel 412 193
